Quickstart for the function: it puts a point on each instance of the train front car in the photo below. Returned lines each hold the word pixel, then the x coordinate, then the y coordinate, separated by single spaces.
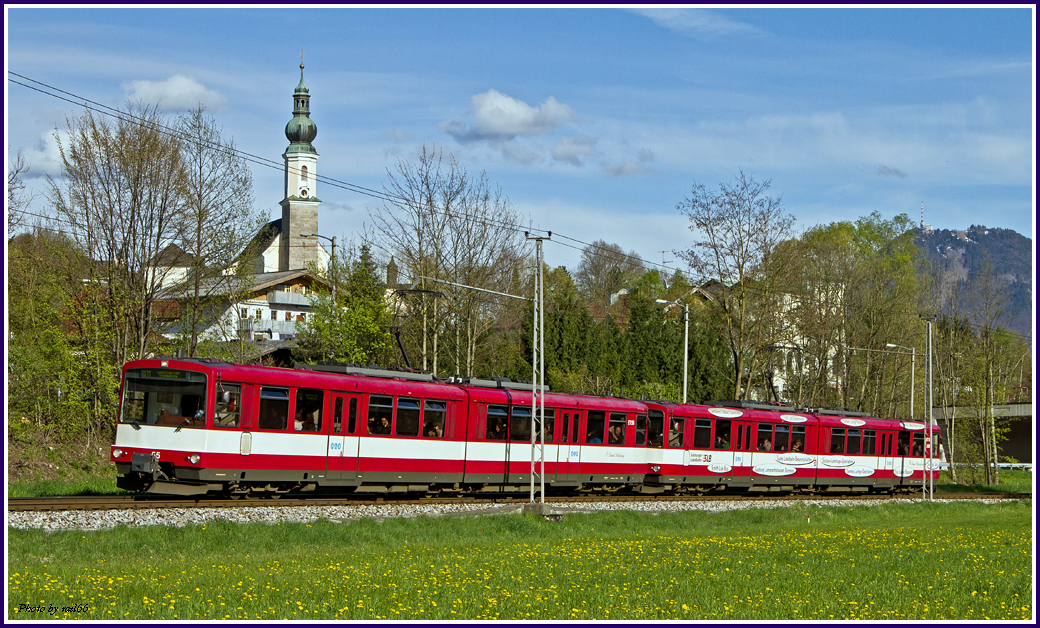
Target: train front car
pixel 161 438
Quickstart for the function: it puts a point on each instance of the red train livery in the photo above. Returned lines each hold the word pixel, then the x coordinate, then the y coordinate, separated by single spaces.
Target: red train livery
pixel 198 426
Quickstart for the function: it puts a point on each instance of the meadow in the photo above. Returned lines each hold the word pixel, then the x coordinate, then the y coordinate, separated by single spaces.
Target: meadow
pixel 906 561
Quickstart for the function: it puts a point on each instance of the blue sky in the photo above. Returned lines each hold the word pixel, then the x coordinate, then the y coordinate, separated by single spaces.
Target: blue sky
pixel 595 122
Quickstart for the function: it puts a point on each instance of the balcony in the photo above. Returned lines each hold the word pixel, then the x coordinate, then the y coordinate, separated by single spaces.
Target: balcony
pixel 264 325
pixel 288 298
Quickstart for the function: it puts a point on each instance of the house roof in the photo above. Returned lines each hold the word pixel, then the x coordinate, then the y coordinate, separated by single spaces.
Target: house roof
pixel 262 240
pixel 171 256
pixel 248 284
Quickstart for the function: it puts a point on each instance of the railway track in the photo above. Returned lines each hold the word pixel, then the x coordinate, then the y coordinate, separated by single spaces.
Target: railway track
pixel 137 502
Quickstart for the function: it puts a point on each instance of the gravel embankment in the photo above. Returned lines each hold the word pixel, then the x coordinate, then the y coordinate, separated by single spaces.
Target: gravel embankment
pixel 106 519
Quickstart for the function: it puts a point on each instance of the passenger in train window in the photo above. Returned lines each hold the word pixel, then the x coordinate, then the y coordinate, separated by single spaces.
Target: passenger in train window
pixel 432 430
pixel 918 449
pixel 765 445
pixel 796 446
pixel 721 443
pixel 382 426
pixel 497 431
pixel 298 422
pixel 592 438
pixel 615 437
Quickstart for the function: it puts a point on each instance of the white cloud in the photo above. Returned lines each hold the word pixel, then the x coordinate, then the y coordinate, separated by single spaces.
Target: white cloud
pixel 571 150
pixel 496 116
pixel 180 92
pixel 697 22
pixel 44 158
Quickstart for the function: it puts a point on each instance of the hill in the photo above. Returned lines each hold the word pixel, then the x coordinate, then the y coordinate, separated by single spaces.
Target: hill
pixel 958 257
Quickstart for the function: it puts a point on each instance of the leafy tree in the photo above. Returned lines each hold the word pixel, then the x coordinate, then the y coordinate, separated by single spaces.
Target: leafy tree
pixel 355 330
pixel 121 192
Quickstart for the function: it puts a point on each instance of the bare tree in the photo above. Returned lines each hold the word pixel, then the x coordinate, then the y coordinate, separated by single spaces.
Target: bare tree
pixel 484 253
pixel 444 225
pixel 414 226
pixel 738 230
pixel 606 268
pixel 219 220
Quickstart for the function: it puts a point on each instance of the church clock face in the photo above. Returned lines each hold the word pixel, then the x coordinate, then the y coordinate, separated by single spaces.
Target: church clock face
pixel 303 192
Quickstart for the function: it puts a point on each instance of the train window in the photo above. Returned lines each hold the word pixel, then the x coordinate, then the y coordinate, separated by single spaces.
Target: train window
pixel 616 433
pixel 520 425
pixel 655 431
pixel 227 413
pixel 496 422
pixel 918 450
pixel 434 413
pixel 723 432
pixel 702 434
pixel 165 397
pixel 309 404
pixel 566 423
pixel 675 433
pixel 781 437
pixel 274 408
pixel 574 427
pixel 594 428
pixel 869 439
pixel 352 416
pixel 380 414
pixel 550 424
pixel 764 442
pixel 798 438
pixel 837 440
pixel 903 444
pixel 640 429
pixel 337 416
pixel 852 445
pixel 407 417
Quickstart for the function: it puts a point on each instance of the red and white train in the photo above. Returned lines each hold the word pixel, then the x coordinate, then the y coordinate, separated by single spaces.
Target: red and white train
pixel 198 426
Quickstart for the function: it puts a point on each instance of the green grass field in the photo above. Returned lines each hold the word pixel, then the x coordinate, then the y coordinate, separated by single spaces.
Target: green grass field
pixel 898 562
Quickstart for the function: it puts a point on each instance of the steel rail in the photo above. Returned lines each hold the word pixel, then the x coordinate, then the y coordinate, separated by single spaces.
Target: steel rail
pixel 137 502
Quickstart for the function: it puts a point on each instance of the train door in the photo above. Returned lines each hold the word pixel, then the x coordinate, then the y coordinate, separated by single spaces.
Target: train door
pixel 343 440
pixel 901 465
pixel 744 445
pixel 886 456
pixel 569 450
pixel 245 440
pixel 721 461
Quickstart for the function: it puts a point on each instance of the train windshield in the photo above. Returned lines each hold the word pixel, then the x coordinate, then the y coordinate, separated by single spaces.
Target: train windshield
pixel 164 397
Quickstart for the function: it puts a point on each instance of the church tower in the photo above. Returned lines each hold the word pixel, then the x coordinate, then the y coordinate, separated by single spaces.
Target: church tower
pixel 300 205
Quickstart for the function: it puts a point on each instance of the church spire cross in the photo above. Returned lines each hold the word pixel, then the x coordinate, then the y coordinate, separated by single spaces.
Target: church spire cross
pixel 301 59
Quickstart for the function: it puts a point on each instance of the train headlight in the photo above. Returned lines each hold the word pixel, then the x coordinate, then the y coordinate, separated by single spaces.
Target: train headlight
pixel 655 468
pixel 118 453
pixel 194 458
